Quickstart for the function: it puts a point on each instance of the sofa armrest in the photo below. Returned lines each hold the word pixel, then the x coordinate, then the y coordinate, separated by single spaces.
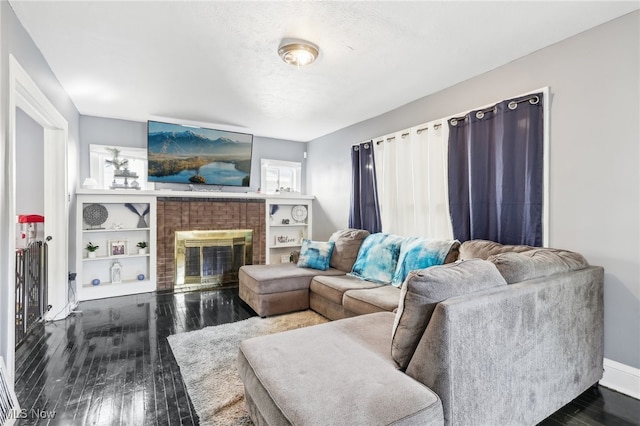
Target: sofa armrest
pixel 515 354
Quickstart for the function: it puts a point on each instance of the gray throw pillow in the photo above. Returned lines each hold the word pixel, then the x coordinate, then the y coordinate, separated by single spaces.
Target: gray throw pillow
pixel 347 244
pixel 424 289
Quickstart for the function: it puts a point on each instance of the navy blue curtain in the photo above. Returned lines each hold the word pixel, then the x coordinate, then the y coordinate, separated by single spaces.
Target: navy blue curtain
pixel 496 172
pixel 365 208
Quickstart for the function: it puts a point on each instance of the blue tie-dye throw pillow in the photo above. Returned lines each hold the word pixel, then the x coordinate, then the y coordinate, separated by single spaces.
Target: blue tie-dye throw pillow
pixel 420 253
pixel 377 258
pixel 315 254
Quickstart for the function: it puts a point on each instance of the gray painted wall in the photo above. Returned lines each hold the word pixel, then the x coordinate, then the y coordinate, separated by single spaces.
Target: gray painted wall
pixel 112 132
pixel 14 40
pixel 29 165
pixel 594 155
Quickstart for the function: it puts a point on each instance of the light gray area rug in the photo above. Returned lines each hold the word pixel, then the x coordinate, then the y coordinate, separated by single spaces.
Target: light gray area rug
pixel 208 363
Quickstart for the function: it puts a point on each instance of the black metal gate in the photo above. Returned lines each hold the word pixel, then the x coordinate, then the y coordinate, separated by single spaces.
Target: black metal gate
pixel 31 287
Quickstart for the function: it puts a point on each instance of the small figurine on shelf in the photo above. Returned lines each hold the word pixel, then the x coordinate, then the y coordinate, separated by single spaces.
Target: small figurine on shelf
pixel 121 171
pixel 142 247
pixel 115 161
pixel 91 250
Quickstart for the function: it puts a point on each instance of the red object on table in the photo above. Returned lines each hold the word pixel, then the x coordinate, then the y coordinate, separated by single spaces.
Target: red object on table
pixel 30 218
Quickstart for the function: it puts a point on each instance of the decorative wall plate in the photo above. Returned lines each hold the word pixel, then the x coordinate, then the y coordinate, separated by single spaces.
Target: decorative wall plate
pixel 95 215
pixel 299 213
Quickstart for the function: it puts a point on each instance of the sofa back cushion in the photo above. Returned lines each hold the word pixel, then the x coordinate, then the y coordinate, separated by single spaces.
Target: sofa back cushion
pixel 518 263
pixel 422 291
pixel 378 258
pixel 347 244
pixel 536 263
pixel 420 253
pixel 482 249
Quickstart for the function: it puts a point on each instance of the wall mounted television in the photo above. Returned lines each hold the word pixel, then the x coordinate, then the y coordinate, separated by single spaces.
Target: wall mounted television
pixel 194 155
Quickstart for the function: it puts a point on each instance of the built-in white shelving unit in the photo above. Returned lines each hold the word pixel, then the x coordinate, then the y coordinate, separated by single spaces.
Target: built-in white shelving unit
pixel 117 239
pixel 286 225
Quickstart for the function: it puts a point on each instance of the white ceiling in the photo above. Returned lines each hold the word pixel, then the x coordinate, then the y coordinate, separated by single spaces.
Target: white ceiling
pixel 215 63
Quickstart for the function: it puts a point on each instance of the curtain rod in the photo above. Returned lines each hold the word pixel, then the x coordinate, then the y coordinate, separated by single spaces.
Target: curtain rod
pixel 533 99
pixel 404 135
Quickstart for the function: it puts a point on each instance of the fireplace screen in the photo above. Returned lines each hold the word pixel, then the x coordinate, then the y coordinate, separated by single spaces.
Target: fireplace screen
pixel 211 258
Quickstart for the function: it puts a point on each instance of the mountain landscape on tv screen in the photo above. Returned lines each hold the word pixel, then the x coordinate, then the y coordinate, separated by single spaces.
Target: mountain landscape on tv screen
pixel 191 157
pixel 191 143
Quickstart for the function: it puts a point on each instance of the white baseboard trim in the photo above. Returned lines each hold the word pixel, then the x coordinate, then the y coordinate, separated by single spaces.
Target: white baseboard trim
pixel 621 378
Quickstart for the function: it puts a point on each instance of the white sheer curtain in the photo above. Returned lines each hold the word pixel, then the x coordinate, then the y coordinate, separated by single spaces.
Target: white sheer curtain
pixel 411 169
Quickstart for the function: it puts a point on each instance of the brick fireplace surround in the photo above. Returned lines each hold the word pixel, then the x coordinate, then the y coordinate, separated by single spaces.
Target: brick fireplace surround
pixel 200 214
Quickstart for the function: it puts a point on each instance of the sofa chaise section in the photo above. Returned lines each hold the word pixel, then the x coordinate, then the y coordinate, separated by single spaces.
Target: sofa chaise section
pixel 281 288
pixel 338 373
pixel 277 289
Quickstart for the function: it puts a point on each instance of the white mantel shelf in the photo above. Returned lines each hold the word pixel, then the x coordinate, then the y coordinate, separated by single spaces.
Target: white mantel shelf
pixel 192 194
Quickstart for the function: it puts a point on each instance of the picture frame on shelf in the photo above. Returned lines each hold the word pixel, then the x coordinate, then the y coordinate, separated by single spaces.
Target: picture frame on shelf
pixel 118 248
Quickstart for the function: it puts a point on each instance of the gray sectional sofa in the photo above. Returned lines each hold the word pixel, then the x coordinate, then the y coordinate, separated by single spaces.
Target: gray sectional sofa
pixel 506 335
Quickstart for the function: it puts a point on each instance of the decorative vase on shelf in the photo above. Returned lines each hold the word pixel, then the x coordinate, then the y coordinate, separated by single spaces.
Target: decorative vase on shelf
pixel 142 251
pixel 91 254
pixel 116 272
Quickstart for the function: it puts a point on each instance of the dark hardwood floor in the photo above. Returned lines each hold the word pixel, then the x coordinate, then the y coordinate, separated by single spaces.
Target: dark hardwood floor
pixel 110 364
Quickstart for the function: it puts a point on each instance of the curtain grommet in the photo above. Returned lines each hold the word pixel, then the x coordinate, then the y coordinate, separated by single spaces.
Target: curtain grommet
pixel 534 100
pixel 479 114
pixel 513 105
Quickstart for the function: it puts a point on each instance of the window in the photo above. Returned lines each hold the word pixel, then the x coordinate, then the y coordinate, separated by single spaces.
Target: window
pixel 280 176
pixel 102 169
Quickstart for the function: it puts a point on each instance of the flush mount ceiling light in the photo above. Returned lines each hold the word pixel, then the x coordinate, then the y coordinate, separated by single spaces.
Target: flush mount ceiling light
pixel 298 53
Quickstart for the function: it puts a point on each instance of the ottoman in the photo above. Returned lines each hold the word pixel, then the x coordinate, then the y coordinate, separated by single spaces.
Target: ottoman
pixel 279 288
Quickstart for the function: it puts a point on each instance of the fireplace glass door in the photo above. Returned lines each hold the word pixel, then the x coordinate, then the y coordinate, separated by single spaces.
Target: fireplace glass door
pixel 211 258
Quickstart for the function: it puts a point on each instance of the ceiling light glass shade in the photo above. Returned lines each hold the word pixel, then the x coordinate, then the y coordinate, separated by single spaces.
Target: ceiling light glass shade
pixel 299 53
